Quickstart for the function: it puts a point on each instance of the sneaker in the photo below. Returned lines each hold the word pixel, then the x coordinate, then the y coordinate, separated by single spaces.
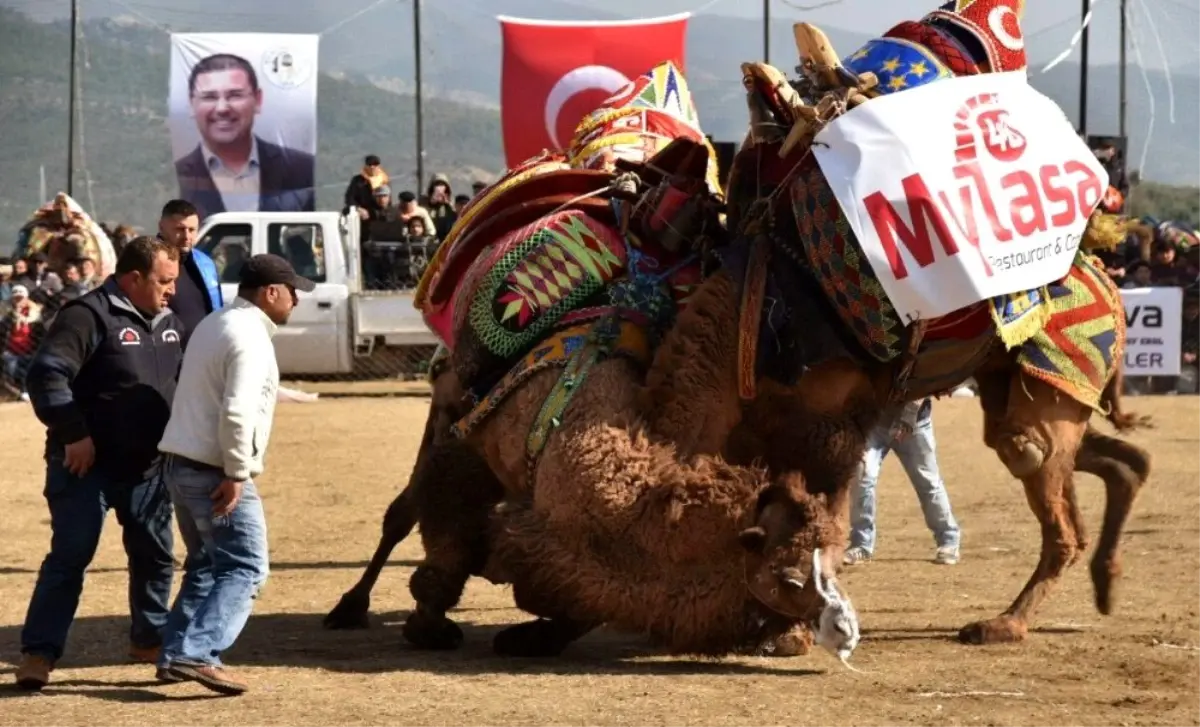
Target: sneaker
pixel 946 555
pixel 33 672
pixel 856 555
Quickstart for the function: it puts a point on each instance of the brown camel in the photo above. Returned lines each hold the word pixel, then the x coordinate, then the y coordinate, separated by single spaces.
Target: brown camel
pixel 702 557
pixel 799 391
pixel 599 503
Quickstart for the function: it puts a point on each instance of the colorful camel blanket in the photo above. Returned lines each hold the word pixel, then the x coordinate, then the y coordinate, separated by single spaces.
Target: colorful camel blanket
pixel 633 125
pixel 1081 343
pixel 574 350
pixel 639 121
pixel 63 232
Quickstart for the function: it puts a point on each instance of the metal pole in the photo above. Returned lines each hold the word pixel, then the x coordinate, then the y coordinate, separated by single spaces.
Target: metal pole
pixel 1121 117
pixel 418 98
pixel 766 31
pixel 71 100
pixel 1083 74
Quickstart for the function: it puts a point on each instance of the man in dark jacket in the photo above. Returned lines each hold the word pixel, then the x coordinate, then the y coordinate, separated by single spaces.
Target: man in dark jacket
pixel 198 290
pixel 102 382
pixel 360 192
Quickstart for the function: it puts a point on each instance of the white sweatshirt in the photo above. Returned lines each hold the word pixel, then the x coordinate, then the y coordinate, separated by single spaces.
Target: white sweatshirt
pixel 225 401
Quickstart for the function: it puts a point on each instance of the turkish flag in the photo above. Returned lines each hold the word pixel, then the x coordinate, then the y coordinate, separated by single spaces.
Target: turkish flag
pixel 555 73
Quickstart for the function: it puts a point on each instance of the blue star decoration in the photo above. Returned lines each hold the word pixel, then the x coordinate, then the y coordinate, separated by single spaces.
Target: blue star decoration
pixel 897 63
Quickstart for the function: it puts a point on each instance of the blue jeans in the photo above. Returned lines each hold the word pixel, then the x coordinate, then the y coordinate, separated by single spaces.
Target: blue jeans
pixel 15 366
pixel 225 568
pixel 78 507
pixel 918 455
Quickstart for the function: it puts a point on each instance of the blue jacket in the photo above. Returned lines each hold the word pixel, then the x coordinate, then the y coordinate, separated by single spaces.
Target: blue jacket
pixel 212 281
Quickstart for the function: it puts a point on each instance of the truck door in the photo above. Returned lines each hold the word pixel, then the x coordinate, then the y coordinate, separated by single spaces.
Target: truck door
pixel 314 335
pixel 229 246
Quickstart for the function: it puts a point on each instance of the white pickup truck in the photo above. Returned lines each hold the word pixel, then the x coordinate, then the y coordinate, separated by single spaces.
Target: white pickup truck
pixel 341 327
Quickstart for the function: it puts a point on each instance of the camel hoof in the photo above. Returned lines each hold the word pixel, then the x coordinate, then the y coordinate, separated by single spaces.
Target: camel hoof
pixel 432 633
pixel 349 613
pixel 999 630
pixel 532 639
pixel 796 642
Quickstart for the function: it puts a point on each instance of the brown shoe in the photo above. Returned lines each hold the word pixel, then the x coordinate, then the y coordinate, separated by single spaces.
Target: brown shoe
pixel 216 678
pixel 166 677
pixel 144 654
pixel 34 672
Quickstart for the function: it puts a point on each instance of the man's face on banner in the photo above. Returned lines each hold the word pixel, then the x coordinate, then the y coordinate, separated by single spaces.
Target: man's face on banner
pixel 224 105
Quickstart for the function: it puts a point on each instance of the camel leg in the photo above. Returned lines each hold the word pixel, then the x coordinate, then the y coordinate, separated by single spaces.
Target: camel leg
pixel 1124 468
pixel 455 509
pixel 1037 438
pixel 351 611
pixel 545 636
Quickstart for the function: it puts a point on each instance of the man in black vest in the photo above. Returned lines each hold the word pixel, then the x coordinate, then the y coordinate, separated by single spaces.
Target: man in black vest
pixel 102 382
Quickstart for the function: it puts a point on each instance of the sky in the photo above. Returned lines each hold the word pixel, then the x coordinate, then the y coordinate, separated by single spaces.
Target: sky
pixel 1048 23
pixel 1177 21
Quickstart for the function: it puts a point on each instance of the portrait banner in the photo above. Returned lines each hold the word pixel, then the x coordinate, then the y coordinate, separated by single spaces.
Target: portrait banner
pixel 243 121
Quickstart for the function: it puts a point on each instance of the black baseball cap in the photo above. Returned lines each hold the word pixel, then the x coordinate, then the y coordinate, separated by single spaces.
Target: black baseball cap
pixel 263 270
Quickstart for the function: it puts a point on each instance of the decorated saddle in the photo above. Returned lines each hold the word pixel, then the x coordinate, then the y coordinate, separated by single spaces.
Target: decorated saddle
pixel 63 232
pixel 605 231
pixel 1067 331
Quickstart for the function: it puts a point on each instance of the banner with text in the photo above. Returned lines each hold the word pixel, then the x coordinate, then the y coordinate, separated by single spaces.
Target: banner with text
pixel 962 189
pixel 243 120
pixel 1154 329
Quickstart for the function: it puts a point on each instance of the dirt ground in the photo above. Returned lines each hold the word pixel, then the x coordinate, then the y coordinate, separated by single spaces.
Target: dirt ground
pixel 335 464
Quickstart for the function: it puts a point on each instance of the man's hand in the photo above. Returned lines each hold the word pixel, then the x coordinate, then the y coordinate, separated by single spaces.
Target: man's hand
pixel 80 456
pixel 226 497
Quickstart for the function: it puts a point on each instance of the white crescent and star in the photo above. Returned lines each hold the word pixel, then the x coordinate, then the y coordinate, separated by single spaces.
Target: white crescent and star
pixel 575 82
pixel 996 19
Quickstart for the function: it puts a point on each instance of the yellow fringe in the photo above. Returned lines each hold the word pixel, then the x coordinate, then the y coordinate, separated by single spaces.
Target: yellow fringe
pixel 1104 232
pixel 1014 334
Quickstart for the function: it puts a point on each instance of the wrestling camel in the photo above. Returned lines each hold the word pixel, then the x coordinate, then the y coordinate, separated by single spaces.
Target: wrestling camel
pixel 800 378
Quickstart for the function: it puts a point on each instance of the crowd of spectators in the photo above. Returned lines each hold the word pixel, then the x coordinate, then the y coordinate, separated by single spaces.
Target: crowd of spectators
pixel 30 297
pixel 1155 254
pixel 400 231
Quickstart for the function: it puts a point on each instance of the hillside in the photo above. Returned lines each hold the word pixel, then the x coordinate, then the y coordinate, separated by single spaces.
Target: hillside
pixel 125 145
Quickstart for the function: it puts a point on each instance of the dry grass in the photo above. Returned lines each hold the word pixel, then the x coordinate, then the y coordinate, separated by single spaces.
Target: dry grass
pixel 334 466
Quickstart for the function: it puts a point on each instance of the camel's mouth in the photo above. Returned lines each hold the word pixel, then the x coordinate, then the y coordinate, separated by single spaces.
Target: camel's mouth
pixel 818 603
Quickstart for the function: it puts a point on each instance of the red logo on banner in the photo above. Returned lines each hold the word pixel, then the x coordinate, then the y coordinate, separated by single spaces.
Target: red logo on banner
pixel 554 73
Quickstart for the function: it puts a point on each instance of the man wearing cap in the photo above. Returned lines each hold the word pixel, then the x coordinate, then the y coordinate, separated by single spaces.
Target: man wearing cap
pixel 215 443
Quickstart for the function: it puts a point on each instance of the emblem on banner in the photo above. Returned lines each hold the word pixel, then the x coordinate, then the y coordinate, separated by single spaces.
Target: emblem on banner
pixel 286 69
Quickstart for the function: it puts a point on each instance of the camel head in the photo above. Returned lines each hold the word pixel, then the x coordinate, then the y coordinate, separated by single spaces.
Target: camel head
pixel 792 550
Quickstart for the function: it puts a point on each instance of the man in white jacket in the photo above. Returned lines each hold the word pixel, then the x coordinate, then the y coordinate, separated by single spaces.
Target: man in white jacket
pixel 215 442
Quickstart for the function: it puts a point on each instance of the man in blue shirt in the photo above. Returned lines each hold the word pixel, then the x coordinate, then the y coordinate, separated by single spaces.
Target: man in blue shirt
pixel 198 289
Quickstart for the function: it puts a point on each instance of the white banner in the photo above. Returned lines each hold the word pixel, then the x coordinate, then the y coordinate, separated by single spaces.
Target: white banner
pixel 243 120
pixel 962 189
pixel 1154 327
